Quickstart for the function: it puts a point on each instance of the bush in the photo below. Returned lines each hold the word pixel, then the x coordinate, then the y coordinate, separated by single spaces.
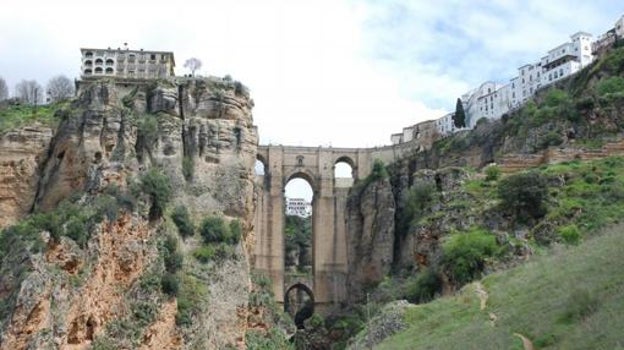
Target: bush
pixel 610 85
pixel 424 287
pixel 205 253
pixel 170 284
pixel 378 172
pixel 236 231
pixel 570 234
pixel 156 184
pixel 148 131
pixel 580 305
pixel 524 194
pixel 464 254
pixel 182 220
pixel 492 172
pixel 214 230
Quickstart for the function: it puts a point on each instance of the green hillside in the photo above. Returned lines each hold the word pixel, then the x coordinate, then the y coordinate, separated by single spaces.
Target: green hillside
pixel 571 299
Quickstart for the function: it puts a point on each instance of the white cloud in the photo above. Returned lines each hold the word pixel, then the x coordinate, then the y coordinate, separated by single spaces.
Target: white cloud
pixel 325 72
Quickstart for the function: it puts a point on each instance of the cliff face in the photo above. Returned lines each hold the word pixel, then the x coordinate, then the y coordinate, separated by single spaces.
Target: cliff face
pixel 68 292
pixel 370 228
pixel 21 152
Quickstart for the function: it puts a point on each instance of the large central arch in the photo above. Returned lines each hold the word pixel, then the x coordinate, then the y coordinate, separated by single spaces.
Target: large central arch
pixel 329 241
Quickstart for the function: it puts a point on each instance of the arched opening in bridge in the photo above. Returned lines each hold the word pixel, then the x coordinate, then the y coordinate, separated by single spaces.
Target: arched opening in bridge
pixel 259 167
pixel 299 303
pixel 343 173
pixel 298 253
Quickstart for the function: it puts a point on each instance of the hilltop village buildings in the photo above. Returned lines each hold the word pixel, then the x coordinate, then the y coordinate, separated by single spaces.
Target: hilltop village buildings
pixel 492 100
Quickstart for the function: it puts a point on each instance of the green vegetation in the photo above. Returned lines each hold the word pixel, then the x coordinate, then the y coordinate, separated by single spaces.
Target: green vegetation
pixel 464 254
pixel 214 230
pixel 173 259
pixel 182 220
pixel 192 294
pixel 298 238
pixel 571 299
pixel 459 117
pixel 524 194
pixel 156 185
pixel 262 296
pixel 492 172
pixel 14 116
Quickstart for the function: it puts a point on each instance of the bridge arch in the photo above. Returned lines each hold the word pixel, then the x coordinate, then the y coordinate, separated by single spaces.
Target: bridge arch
pixel 306 310
pixel 316 166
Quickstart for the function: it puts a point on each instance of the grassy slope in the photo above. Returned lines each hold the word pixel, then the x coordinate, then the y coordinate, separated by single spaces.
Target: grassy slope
pixel 572 299
pixel 18 115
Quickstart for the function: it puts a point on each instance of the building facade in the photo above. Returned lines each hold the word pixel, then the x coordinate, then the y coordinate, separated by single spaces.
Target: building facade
pixel 126 63
pixel 492 100
pixel 299 207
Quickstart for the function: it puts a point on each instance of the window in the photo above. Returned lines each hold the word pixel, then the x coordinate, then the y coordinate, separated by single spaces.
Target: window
pixel 98 70
pixel 88 63
pixel 109 70
pixel 561 72
pixel 110 62
pixel 88 71
pixel 513 95
pixel 522 80
pixel 513 85
pixel 89 54
pixel 549 76
pixel 152 57
pixel 99 61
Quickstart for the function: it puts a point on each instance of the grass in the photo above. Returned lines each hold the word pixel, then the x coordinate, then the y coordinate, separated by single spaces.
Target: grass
pixel 14 116
pixel 572 299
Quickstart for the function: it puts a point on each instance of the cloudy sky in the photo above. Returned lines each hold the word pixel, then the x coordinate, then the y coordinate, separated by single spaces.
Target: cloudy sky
pixel 335 72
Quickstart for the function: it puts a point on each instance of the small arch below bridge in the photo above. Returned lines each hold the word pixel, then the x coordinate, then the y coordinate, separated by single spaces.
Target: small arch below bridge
pixel 301 304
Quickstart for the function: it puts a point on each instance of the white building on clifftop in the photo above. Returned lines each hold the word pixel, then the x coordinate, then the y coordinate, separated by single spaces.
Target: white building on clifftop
pixel 126 63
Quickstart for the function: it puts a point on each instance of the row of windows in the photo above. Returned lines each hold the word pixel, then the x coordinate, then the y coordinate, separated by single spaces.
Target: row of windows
pixel 132 56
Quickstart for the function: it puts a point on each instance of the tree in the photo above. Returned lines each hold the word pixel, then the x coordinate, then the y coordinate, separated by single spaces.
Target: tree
pixel 525 194
pixel 193 64
pixel 29 91
pixel 4 90
pixel 459 118
pixel 60 88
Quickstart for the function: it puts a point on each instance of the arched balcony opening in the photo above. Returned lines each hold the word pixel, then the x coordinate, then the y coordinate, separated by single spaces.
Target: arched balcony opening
pixel 99 70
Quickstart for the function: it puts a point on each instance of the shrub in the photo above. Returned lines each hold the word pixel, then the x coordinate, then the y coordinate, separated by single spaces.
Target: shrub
pixel 570 234
pixel 156 184
pixel 424 287
pixel 379 171
pixel 148 131
pixel 610 85
pixel 464 254
pixel 188 168
pixel 236 231
pixel 170 284
pixel 492 172
pixel 205 253
pixel 182 220
pixel 552 138
pixel 524 194
pixel 214 230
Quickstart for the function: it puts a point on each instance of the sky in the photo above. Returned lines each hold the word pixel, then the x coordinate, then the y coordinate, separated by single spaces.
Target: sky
pixel 340 73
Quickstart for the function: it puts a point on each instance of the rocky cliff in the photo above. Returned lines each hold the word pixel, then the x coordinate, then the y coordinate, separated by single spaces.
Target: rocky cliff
pixel 87 266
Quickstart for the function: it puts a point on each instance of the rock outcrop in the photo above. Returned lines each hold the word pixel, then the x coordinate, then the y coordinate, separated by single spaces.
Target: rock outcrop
pixel 370 228
pixel 200 134
pixel 21 154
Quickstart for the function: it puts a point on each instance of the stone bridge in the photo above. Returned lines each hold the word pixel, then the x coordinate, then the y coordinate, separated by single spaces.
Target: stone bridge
pixel 329 236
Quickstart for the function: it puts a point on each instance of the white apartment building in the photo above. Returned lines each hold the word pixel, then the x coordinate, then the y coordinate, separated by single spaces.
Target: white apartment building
pixel 299 207
pixel 492 100
pixel 126 63
pixel 619 27
pixel 446 125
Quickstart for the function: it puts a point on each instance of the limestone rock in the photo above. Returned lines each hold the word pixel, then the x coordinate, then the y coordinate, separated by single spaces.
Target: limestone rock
pixel 21 153
pixel 370 228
